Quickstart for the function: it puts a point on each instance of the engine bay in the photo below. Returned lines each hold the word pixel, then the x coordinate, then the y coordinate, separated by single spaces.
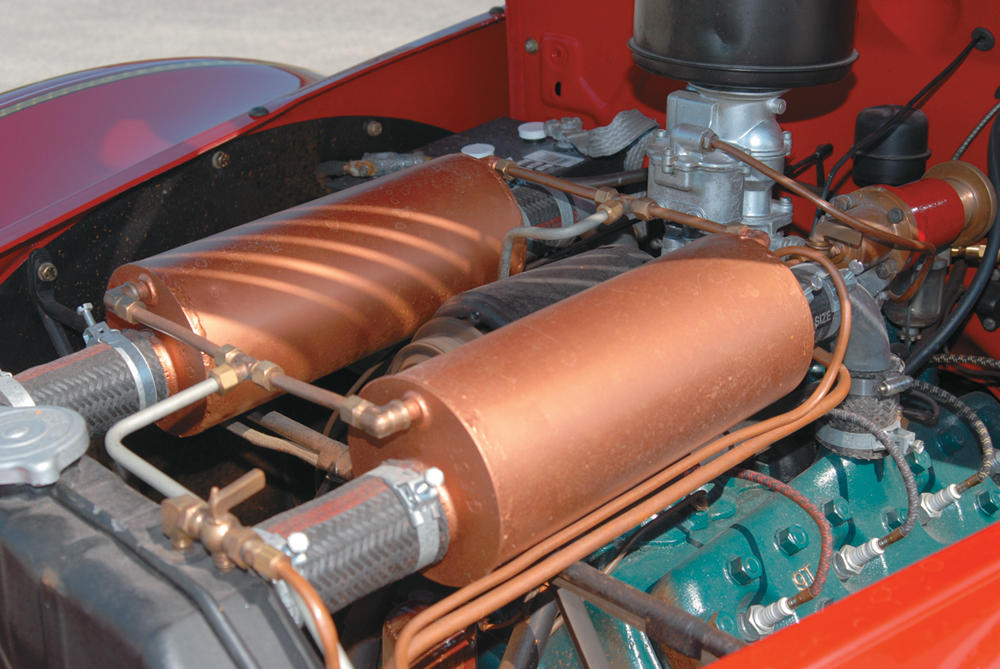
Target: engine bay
pixel 358 390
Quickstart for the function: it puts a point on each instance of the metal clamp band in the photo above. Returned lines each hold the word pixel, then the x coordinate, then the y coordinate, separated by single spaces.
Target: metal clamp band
pixel 422 504
pixel 13 393
pixel 136 362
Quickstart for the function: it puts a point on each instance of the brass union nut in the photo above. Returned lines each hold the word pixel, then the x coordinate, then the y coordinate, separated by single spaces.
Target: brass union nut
pixel 614 208
pixel 262 372
pixel 226 354
pixel 227 378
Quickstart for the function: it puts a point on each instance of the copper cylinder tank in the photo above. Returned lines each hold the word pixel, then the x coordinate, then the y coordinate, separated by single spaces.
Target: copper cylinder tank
pixel 321 285
pixel 543 420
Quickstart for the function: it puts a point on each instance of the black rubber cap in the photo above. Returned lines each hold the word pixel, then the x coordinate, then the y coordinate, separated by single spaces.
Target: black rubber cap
pixel 900 157
pixel 985 37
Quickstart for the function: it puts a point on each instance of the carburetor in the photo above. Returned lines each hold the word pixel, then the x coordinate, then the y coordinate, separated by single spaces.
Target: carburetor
pixel 685 176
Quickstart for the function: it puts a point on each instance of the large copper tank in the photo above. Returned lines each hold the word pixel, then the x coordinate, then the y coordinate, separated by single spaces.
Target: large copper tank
pixel 316 287
pixel 543 420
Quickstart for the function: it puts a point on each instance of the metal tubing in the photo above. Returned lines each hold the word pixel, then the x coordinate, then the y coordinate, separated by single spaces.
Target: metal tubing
pixel 686 346
pixel 669 625
pixel 545 234
pixel 581 629
pixel 132 462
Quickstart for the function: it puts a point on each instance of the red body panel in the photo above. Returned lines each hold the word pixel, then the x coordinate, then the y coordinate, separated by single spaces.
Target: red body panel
pixel 939 612
pixel 74 141
pixel 65 155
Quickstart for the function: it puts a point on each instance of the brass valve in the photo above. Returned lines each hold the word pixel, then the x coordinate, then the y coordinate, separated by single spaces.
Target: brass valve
pixel 187 517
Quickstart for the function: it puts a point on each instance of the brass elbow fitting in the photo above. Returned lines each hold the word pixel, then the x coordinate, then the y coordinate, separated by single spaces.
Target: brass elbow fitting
pixel 380 421
pixel 117 301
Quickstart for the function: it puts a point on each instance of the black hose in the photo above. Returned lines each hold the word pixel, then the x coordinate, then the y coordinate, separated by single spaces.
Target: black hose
pixel 613 180
pixel 971 419
pixel 210 609
pixel 912 491
pixel 965 305
pixel 994 110
pixel 928 418
pixel 880 132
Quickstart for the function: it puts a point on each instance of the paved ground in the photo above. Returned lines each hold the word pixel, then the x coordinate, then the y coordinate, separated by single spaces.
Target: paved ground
pixel 45 38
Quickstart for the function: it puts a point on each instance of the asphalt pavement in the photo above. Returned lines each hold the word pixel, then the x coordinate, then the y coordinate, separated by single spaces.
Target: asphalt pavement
pixel 40 39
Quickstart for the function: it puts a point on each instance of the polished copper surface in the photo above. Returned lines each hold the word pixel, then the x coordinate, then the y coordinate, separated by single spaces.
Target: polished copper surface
pixel 543 420
pixel 316 287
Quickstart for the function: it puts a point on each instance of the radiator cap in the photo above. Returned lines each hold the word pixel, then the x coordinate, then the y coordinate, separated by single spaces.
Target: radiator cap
pixel 38 443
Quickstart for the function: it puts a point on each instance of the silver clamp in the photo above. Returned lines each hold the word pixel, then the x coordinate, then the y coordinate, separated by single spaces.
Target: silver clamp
pixel 138 366
pixel 863 441
pixel 419 493
pixel 13 393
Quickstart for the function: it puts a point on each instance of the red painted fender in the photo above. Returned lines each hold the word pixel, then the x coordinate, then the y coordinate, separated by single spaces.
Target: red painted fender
pixel 72 139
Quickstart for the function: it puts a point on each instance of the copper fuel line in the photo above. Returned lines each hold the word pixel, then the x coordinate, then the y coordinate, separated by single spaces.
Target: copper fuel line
pixel 515 578
pixel 643 208
pixel 925 248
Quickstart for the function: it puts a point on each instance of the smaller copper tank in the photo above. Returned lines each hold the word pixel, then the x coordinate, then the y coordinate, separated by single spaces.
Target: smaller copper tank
pixel 318 286
pixel 543 420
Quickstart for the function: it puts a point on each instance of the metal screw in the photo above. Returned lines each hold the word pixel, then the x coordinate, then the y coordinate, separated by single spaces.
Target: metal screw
pixel 792 539
pixel 257 112
pixel 842 202
pixel 531 46
pixel 953 439
pixel 745 569
pixel 919 462
pixel 883 271
pixel 856 266
pixel 895 215
pixel 989 324
pixel 988 502
pixel 895 518
pixel 220 159
pixel 837 511
pixel 85 311
pixel 297 542
pixel 47 272
pixel 373 128
pixel 817 369
pixel 988 417
pixel 434 477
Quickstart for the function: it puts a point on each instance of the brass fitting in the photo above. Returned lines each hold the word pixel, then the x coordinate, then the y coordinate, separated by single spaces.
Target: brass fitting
pixel 121 304
pixel 262 371
pixel 502 165
pixel 974 253
pixel 230 543
pixel 605 193
pixel 380 421
pixel 615 210
pixel 640 207
pixel 227 377
pixel 226 354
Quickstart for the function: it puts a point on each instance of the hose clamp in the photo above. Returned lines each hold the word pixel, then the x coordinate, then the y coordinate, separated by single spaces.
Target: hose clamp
pixel 13 393
pixel 419 493
pixel 138 366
